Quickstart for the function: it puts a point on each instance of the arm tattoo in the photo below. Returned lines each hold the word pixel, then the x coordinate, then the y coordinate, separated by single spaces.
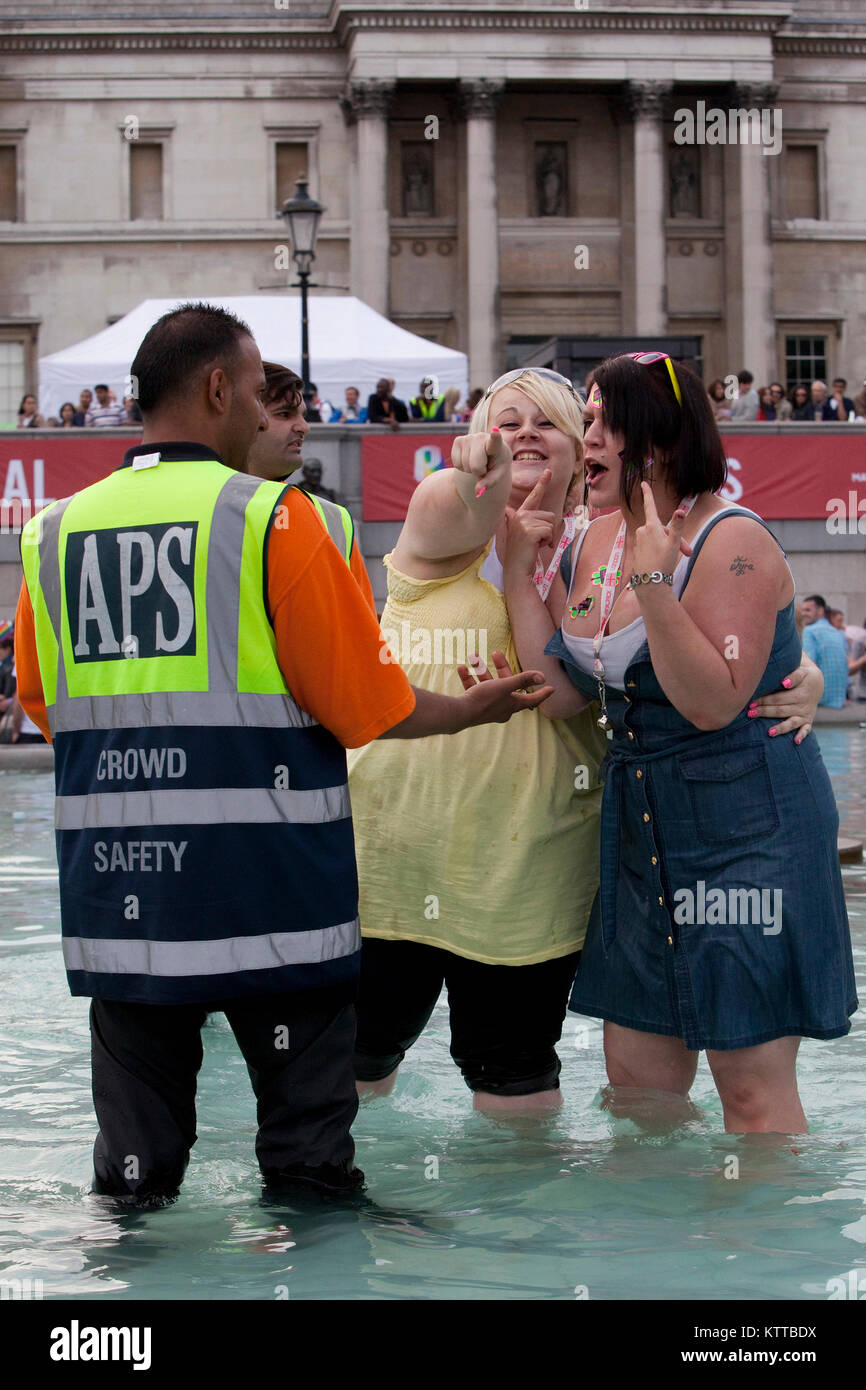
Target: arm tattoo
pixel 740 565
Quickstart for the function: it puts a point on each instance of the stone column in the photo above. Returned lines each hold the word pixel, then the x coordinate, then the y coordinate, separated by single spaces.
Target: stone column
pixel 479 101
pixel 644 310
pixel 749 322
pixel 366 105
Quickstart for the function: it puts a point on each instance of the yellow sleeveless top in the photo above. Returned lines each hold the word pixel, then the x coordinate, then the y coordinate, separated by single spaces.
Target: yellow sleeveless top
pixel 484 843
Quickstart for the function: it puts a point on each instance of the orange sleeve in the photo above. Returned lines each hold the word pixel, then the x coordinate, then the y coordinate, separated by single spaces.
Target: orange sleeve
pixel 328 639
pixel 30 693
pixel 359 570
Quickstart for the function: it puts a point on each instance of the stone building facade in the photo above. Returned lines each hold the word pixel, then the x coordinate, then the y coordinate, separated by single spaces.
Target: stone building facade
pixel 494 172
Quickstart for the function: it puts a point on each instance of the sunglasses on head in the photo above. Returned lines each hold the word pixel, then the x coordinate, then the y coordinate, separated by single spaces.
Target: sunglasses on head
pixel 518 372
pixel 647 359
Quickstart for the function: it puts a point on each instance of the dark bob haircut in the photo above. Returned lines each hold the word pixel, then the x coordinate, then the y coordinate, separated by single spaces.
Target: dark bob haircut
pixel 639 403
pixel 175 351
pixel 283 386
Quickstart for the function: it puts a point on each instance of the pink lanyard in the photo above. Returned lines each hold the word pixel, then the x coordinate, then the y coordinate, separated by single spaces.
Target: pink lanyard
pixel 544 580
pixel 607 596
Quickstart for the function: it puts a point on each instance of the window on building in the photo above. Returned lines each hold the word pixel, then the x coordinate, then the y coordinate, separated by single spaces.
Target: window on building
pixel 802 190
pixel 13 384
pixel 8 183
pixel 805 359
pixel 145 182
pixel 292 163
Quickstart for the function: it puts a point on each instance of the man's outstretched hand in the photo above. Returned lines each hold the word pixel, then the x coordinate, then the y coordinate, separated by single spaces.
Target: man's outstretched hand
pixel 498 697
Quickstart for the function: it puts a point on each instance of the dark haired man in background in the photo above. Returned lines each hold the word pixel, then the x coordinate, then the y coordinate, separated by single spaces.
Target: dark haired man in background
pixel 204 658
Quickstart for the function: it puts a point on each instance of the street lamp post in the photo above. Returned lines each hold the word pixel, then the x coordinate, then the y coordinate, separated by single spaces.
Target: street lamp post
pixel 302 214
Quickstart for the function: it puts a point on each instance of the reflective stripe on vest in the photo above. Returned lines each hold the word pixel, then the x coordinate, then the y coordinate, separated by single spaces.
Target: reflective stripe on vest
pixel 337 521
pixel 203 820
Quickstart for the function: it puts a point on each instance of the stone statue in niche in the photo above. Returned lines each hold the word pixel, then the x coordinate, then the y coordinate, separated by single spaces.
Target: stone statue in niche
pixel 685 200
pixel 417 174
pixel 551 180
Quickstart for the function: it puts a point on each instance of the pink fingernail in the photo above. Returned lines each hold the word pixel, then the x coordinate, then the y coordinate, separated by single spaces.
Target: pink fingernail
pixel 771 732
pixel 480 491
pixel 750 714
pixel 799 739
pixel 753 704
pixel 787 682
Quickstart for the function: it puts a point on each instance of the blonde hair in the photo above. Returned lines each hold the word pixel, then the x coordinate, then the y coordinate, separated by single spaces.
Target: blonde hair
pixel 558 404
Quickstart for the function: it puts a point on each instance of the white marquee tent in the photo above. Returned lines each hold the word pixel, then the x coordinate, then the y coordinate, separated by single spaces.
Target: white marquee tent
pixel 350 345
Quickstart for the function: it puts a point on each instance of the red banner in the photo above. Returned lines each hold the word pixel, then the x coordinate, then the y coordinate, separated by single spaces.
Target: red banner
pixel 36 471
pixel 776 475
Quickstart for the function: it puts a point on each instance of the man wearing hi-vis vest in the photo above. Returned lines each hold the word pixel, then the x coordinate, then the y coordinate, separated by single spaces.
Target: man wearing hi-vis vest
pixel 428 405
pixel 199 653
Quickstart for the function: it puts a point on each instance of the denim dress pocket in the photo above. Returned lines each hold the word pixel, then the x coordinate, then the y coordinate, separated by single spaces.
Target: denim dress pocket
pixel 731 795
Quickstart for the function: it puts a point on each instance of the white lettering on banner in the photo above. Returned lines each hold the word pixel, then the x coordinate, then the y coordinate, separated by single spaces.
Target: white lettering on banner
pixel 733 488
pixel 146 856
pixel 114 765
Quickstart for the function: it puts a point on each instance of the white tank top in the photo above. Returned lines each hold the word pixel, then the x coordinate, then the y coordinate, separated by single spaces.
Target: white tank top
pixel 618 649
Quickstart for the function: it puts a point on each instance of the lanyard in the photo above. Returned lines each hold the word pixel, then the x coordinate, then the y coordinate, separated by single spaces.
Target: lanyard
pixel 607 602
pixel 544 580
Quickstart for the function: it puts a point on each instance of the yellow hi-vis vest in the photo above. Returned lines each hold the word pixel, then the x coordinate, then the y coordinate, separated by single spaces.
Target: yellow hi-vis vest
pixel 204 834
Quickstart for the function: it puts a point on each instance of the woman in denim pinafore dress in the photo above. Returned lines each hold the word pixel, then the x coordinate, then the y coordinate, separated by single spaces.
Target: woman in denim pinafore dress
pixel 720 921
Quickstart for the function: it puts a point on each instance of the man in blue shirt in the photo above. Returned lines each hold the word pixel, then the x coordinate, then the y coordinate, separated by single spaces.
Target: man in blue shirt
pixel 826 645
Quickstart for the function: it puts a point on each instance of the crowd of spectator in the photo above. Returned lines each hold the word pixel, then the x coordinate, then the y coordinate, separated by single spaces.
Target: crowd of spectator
pixel 802 402
pixel 105 414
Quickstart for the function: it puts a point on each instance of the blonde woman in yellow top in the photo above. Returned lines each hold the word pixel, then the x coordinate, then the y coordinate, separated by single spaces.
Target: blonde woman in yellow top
pixel 478 853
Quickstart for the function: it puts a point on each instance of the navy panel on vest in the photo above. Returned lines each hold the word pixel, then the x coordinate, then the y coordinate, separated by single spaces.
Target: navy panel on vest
pixel 186 880
pixel 215 989
pixel 142 759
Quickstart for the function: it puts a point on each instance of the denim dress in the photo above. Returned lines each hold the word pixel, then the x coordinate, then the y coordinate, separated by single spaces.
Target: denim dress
pixel 720 917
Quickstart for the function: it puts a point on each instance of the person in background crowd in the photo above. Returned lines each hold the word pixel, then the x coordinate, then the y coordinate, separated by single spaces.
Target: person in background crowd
pixel 106 414
pixel 718 400
pixel 464 412
pixel 383 407
pixel 426 405
pixel 65 417
pixel 838 406
pixel 828 649
pixel 746 404
pixel 780 405
pixel 766 405
pixel 856 663
pixel 860 403
pixel 311 481
pixel 855 639
pixel 452 397
pixel 84 403
pixel 7 666
pixel 800 403
pixel 28 416
pixel 353 413
pixel 133 414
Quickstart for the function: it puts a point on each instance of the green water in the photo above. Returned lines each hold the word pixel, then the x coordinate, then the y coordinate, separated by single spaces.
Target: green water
pixel 461 1206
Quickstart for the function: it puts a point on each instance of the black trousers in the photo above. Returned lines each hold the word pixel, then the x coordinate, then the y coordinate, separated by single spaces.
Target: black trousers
pixel 298 1050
